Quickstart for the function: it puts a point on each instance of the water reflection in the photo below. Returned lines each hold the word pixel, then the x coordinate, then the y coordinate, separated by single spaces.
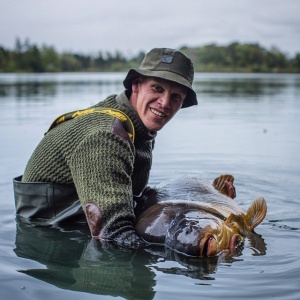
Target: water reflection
pixel 237 88
pixel 236 85
pixel 28 90
pixel 48 86
pixel 75 262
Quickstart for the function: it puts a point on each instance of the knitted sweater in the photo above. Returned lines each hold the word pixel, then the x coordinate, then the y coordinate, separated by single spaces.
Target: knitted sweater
pixel 105 168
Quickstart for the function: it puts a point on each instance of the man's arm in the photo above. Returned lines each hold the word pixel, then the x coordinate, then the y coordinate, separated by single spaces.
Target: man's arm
pixel 101 167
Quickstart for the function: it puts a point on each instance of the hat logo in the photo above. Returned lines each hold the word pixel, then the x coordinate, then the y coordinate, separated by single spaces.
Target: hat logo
pixel 167 58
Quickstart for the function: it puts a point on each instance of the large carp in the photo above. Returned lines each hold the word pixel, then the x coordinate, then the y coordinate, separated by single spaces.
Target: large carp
pixel 197 218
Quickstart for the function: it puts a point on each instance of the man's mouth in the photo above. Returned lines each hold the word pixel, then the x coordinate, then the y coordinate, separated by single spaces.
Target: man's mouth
pixel 156 112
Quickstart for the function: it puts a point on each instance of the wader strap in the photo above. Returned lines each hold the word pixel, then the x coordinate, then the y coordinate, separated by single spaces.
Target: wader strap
pixel 102 110
pixel 46 200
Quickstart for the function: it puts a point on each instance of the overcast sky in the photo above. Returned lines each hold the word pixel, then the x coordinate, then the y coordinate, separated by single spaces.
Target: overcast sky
pixel 89 26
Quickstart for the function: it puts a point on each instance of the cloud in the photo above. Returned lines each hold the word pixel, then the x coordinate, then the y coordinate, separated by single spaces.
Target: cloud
pixel 131 26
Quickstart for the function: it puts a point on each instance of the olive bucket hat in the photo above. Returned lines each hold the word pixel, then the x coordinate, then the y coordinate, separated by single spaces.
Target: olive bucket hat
pixel 167 64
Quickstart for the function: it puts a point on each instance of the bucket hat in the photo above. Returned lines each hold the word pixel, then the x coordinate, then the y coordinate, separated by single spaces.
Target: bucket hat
pixel 169 64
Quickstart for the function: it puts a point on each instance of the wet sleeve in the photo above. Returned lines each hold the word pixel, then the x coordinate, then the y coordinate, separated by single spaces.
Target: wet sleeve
pixel 101 167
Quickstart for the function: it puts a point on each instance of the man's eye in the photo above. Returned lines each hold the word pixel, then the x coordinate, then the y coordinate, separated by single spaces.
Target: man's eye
pixel 158 88
pixel 177 97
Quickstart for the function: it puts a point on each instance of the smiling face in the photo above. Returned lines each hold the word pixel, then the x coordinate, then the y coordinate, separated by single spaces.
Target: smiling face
pixel 156 100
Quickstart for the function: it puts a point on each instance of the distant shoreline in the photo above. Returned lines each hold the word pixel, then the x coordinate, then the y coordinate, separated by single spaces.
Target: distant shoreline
pixel 212 58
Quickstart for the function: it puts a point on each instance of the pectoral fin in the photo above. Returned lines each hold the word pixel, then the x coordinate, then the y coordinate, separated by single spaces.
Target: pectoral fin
pixel 246 223
pixel 256 213
pixel 237 222
pixel 220 183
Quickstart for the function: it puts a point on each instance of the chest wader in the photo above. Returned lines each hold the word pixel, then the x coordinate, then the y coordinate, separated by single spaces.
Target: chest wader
pixel 46 201
pixel 52 202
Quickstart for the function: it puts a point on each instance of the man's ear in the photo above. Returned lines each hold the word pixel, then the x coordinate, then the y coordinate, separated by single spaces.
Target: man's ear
pixel 135 84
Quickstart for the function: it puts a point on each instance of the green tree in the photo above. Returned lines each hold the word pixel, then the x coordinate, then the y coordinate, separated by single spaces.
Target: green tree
pixel 297 61
pixel 69 63
pixel 51 59
pixel 4 60
pixel 33 59
pixel 100 62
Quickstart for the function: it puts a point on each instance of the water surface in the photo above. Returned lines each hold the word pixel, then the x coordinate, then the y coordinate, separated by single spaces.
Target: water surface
pixel 245 124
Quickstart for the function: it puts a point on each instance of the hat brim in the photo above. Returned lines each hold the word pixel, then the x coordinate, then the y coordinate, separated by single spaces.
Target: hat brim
pixel 190 99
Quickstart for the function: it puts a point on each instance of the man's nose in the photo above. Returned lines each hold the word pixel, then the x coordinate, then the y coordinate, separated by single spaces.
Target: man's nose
pixel 164 100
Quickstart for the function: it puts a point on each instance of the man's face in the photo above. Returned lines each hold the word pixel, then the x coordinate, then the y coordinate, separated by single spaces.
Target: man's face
pixel 156 100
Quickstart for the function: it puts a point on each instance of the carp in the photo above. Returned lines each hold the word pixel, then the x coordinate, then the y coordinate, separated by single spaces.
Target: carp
pixel 197 218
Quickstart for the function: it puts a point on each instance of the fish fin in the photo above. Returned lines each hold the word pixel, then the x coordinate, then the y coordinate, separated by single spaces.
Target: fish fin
pixel 219 183
pixel 237 222
pixel 256 213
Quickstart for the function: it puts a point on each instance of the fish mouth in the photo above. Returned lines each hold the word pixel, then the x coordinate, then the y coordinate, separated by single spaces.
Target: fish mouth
pixel 208 246
pixel 234 242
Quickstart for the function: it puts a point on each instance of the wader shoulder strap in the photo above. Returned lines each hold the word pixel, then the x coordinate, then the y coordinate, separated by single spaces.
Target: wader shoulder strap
pixel 102 110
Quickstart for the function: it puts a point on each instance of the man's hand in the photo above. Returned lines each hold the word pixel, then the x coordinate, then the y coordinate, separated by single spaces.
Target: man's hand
pixel 130 239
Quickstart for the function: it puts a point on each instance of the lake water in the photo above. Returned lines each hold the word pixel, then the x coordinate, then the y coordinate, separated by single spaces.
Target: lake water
pixel 247 125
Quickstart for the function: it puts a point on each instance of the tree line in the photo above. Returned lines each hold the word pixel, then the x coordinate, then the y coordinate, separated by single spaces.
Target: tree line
pixel 235 57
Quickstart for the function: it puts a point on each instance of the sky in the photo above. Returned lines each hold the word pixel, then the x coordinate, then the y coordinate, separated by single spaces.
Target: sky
pixel 90 26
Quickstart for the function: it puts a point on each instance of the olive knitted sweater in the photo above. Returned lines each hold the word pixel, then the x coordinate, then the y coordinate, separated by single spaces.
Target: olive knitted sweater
pixel 106 168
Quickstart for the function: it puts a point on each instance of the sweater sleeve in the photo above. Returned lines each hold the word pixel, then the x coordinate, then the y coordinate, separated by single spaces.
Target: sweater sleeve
pixel 101 167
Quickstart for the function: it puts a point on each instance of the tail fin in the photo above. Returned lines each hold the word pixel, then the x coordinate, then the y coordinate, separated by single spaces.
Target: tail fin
pixel 256 213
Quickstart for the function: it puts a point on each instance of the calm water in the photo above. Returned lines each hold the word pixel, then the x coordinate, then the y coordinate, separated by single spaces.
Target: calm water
pixel 246 125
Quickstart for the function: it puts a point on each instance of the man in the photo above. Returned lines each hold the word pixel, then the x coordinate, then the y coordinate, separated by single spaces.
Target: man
pixel 92 156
